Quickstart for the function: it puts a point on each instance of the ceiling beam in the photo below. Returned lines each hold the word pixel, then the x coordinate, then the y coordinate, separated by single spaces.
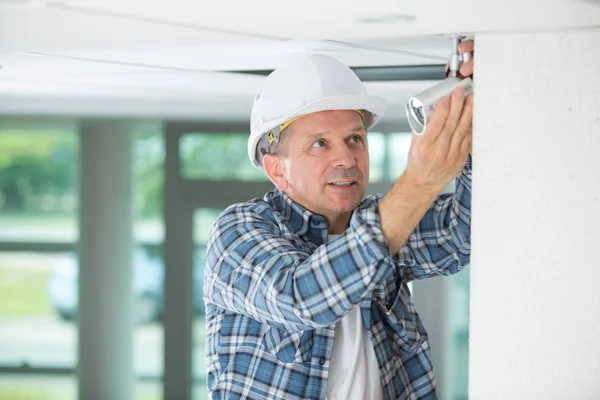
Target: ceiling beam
pixel 382 73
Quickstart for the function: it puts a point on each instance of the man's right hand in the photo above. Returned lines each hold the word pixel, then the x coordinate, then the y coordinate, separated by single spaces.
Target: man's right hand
pixel 434 160
pixel 438 155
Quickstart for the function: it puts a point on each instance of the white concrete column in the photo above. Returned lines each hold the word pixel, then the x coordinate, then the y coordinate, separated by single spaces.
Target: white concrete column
pixel 535 297
pixel 105 258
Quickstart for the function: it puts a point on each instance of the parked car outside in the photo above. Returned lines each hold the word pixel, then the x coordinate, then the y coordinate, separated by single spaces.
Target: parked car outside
pixel 147 279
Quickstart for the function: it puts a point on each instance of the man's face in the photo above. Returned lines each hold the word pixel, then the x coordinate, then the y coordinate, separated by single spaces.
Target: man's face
pixel 325 163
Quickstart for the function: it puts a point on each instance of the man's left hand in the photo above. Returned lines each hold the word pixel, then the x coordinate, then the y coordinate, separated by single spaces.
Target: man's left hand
pixel 467 46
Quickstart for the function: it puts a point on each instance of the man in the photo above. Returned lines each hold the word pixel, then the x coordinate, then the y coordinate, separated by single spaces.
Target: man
pixel 306 289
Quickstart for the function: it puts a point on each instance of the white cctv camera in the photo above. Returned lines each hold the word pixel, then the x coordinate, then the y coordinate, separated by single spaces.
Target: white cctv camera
pixel 420 107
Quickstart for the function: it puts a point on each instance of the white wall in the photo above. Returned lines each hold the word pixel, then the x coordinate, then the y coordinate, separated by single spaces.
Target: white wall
pixel 535 283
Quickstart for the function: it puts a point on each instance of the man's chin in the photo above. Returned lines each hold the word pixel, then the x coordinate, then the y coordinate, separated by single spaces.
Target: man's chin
pixel 345 204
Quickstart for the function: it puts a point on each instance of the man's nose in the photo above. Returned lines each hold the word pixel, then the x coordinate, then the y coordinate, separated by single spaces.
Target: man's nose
pixel 343 157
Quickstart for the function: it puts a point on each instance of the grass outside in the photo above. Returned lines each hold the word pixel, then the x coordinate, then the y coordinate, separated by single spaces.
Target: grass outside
pixel 22 393
pixel 23 291
pixel 64 388
pixel 41 394
pixel 24 275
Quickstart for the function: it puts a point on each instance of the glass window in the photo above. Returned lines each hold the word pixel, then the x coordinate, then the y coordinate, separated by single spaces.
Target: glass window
pixel 39 267
pixel 207 156
pixel 149 159
pixel 38 203
pixel 377 155
pixel 148 262
pixel 399 144
pixel 38 184
pixel 37 303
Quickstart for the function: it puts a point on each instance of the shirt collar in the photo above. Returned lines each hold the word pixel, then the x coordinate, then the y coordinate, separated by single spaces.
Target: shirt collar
pixel 299 218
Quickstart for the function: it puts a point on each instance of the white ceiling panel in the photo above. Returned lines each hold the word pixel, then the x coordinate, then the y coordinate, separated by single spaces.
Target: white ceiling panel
pixel 139 57
pixel 38 25
pixel 357 20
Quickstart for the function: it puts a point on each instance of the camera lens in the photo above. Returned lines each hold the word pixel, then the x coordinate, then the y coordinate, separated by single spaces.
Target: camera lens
pixel 420 114
pixel 417 111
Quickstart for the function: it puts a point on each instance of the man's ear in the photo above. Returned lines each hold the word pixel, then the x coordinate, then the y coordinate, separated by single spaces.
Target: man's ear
pixel 273 166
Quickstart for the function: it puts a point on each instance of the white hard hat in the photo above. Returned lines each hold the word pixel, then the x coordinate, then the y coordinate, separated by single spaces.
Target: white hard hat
pixel 304 84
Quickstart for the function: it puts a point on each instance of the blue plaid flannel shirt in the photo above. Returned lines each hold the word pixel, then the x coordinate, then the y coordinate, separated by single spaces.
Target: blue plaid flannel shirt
pixel 275 287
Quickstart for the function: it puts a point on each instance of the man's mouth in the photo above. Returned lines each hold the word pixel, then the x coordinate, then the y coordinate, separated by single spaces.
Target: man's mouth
pixel 343 184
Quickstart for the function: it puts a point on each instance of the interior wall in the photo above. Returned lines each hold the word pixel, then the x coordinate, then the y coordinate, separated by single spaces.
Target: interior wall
pixel 535 303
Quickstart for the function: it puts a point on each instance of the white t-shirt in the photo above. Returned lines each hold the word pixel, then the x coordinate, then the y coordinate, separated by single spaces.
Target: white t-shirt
pixel 353 370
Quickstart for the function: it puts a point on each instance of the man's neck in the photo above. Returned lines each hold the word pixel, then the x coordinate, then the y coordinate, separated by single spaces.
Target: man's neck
pixel 338 224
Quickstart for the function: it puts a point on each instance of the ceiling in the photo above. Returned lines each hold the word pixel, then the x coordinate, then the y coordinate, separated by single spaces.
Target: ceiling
pixel 169 59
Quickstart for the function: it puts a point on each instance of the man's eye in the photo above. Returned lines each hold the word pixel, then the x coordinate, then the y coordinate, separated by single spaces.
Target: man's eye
pixel 356 139
pixel 319 143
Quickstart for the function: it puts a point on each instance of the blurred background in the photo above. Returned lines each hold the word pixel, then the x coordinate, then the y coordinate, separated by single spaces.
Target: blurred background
pixel 141 110
pixel 39 173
